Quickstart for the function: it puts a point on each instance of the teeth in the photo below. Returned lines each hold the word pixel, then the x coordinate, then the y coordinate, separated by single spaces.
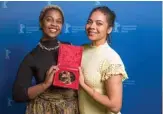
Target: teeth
pixel 92 33
pixel 53 30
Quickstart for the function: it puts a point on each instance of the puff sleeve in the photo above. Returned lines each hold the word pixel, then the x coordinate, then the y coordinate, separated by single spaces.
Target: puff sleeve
pixel 113 66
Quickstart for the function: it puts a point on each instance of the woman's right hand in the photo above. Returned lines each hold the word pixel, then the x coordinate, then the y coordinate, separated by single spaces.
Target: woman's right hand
pixel 49 76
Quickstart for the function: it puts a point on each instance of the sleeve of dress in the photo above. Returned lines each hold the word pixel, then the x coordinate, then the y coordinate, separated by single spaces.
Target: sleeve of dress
pixel 23 80
pixel 113 66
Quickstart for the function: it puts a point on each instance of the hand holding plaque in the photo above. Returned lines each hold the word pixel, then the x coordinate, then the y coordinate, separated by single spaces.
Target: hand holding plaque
pixel 69 60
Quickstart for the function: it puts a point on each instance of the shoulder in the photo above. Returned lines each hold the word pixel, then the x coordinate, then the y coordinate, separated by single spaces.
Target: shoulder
pixel 112 56
pixel 34 51
pixel 30 56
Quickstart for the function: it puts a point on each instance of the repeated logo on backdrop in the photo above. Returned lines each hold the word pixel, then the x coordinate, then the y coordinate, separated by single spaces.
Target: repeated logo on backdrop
pixel 97 3
pixel 67 28
pixel 120 28
pixel 4 4
pixel 123 28
pixel 7 54
pixel 9 102
pixel 25 28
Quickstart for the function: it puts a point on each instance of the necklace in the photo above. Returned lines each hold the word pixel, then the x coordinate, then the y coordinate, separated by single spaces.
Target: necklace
pixel 48 49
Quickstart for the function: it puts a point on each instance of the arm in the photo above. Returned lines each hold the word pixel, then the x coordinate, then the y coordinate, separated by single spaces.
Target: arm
pixel 22 90
pixel 23 80
pixel 112 74
pixel 113 99
pixel 40 88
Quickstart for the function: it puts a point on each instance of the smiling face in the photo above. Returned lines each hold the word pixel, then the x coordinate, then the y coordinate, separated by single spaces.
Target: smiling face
pixel 97 27
pixel 52 24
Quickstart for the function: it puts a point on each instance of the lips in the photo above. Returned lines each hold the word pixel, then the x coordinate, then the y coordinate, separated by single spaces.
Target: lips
pixel 91 33
pixel 53 29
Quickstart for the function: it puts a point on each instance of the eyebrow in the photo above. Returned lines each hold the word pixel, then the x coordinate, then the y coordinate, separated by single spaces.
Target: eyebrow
pixel 96 20
pixel 52 17
pixel 48 16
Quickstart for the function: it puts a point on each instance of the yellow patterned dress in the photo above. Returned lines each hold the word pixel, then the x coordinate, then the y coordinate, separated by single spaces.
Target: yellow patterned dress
pixel 98 64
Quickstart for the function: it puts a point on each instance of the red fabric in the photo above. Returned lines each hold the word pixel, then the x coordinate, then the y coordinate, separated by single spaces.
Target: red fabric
pixel 69 60
pixel 70 55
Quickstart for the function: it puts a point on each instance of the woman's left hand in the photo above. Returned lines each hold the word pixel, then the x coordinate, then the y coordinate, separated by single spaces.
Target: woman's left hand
pixel 81 77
